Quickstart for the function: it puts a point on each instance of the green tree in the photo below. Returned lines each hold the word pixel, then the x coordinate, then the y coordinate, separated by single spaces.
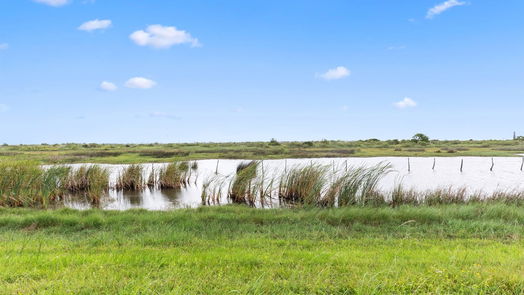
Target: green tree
pixel 273 142
pixel 420 137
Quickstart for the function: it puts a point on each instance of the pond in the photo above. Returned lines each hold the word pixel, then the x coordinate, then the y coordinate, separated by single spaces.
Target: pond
pixel 475 174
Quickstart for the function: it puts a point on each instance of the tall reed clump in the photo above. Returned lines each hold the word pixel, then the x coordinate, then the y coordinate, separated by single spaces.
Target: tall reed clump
pixel 244 189
pixel 26 184
pixel 304 185
pixel 54 180
pixel 152 180
pixel 131 178
pixel 212 188
pixel 92 180
pixel 174 176
pixel 358 186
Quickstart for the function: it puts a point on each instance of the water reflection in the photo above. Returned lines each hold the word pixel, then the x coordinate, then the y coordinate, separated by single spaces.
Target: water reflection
pixel 149 199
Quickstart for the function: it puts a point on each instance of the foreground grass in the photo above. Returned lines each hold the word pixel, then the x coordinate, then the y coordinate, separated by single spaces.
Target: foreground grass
pixel 146 153
pixel 471 249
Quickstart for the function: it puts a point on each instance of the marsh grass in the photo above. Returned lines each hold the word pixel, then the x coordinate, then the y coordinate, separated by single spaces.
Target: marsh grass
pixel 401 196
pixel 132 178
pixel 244 188
pixel 194 165
pixel 152 180
pixel 303 185
pixel 90 180
pixel 358 186
pixel 174 176
pixel 212 189
pixel 53 184
pixel 26 184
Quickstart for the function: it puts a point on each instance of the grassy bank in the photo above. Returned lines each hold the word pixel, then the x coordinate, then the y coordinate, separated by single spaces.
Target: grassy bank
pixel 473 249
pixel 142 153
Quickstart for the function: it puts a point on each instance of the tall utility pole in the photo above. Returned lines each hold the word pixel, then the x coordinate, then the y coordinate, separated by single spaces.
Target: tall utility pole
pixel 514 135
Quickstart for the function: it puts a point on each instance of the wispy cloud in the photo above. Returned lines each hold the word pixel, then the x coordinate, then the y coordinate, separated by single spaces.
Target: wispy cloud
pixel 405 103
pixel 163 115
pixel 55 3
pixel 440 8
pixel 335 74
pixel 159 36
pixel 96 24
pixel 140 83
pixel 108 86
pixel 238 109
pixel 396 47
pixel 4 46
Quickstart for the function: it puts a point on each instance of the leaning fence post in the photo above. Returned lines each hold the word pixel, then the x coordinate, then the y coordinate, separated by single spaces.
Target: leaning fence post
pixel 461 164
pixel 434 162
pixel 285 165
pixel 409 165
pixel 492 164
pixel 522 164
pixel 216 170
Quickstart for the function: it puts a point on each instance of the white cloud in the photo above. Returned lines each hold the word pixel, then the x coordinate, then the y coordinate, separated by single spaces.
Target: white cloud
pixel 108 86
pixel 95 25
pixel 140 82
pixel 405 103
pixel 440 8
pixel 4 46
pixel 159 36
pixel 54 3
pixel 335 74
pixel 4 108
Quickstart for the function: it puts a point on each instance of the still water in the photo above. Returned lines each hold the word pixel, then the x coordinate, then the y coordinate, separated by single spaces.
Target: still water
pixel 415 173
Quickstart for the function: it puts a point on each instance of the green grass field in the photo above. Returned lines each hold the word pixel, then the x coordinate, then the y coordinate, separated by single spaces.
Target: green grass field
pixel 465 249
pixel 143 153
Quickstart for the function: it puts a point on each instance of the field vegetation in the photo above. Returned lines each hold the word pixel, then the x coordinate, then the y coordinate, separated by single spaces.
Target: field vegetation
pixel 147 153
pixel 441 249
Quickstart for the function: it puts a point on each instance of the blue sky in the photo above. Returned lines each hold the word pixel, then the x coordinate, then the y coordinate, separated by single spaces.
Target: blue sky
pixel 185 71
